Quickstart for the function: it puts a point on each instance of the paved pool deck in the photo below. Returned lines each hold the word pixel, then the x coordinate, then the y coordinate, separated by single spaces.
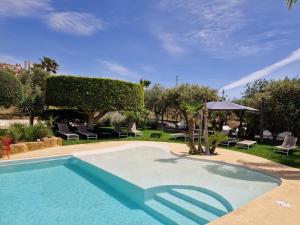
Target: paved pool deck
pixel 262 211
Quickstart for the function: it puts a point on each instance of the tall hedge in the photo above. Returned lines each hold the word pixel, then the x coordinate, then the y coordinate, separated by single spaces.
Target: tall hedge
pixel 93 95
pixel 11 92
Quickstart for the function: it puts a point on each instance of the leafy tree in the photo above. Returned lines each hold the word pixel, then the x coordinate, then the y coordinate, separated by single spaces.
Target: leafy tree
pixel 255 87
pixel 157 100
pixel 34 88
pixel 192 110
pixel 48 64
pixel 280 105
pixel 145 83
pixel 10 89
pixel 190 93
pixel 138 117
pixel 290 3
pixel 93 97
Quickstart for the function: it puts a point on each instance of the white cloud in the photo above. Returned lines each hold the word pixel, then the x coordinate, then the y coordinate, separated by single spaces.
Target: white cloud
pixel 116 70
pixel 293 57
pixel 170 44
pixel 210 23
pixel 12 8
pixel 221 27
pixel 75 23
pixel 9 59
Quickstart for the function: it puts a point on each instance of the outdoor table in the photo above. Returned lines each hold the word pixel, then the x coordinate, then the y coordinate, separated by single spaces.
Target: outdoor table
pixel 246 143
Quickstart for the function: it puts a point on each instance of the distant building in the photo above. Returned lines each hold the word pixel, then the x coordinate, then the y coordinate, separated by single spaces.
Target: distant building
pixel 16 68
pixel 28 65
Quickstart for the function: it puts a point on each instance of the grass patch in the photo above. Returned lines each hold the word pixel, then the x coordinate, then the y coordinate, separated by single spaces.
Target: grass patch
pixel 266 151
pixel 261 150
pixel 165 137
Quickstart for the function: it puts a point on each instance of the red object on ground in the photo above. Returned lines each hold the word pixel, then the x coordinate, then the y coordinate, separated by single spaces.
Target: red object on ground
pixel 7 141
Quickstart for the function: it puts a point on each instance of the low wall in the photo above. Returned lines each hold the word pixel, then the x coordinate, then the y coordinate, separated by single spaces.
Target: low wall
pixel 31 146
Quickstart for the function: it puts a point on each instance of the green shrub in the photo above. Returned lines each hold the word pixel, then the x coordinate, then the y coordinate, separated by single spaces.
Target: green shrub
pixel 93 94
pixel 215 139
pixel 2 132
pixel 21 132
pixel 37 131
pixel 10 89
pixel 16 131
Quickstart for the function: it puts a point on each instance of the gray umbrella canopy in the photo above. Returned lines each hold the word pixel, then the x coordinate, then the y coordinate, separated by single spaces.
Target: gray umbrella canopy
pixel 228 106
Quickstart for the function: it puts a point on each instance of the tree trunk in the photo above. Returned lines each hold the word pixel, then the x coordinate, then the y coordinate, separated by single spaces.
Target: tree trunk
pixel 192 146
pixel 31 119
pixel 162 119
pixel 205 116
pixel 241 124
pixel 200 149
pixel 91 120
pixel 261 122
pixel 93 117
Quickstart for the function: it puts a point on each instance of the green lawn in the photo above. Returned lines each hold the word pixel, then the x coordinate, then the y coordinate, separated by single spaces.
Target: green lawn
pixel 266 151
pixel 261 150
pixel 146 137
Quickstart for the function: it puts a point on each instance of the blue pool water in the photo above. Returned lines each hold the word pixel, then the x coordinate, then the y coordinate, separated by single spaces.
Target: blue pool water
pixel 59 193
pixel 139 186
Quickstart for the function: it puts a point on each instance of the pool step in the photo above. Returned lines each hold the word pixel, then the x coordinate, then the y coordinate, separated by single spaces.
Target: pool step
pixel 201 200
pixel 166 214
pixel 196 213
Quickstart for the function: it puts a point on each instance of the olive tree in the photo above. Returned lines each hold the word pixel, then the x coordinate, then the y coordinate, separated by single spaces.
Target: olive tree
pixel 157 100
pixel 186 93
pixel 34 90
pixel 280 103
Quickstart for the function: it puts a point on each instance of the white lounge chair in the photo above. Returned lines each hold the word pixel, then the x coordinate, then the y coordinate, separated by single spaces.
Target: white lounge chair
pixel 63 129
pixel 289 144
pixel 226 130
pixel 196 135
pixel 135 131
pixel 183 135
pixel 82 130
pixel 179 135
pixel 281 136
pixel 228 142
pixel 266 135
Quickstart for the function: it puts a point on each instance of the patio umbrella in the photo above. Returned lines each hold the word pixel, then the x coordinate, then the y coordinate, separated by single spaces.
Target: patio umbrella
pixel 228 106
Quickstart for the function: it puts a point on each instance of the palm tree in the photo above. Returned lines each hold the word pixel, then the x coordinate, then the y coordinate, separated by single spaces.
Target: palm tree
pixel 192 110
pixel 290 3
pixel 48 64
pixel 145 83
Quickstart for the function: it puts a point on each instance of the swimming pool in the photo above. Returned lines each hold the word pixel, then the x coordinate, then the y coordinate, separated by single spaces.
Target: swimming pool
pixel 129 185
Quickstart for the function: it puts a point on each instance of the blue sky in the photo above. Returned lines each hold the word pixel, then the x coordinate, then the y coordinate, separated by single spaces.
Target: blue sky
pixel 219 43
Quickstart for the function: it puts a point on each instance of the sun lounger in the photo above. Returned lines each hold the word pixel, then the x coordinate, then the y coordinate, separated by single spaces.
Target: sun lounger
pixel 226 130
pixel 134 131
pixel 228 142
pixel 187 137
pixel 281 136
pixel 64 131
pixel 179 135
pixel 246 144
pixel 266 135
pixel 183 135
pixel 121 133
pixel 289 144
pixel 82 130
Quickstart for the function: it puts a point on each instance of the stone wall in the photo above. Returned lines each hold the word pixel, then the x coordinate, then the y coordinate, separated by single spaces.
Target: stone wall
pixel 31 146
